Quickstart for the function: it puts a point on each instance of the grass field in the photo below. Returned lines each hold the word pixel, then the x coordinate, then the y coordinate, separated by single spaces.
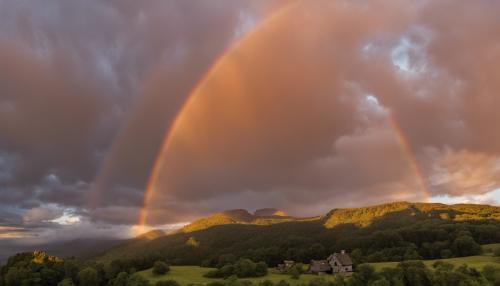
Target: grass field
pixel 194 274
pixel 478 261
pixel 488 248
pixel 473 261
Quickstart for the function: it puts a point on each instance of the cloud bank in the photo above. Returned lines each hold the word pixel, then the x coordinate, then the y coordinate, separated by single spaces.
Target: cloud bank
pixel 295 117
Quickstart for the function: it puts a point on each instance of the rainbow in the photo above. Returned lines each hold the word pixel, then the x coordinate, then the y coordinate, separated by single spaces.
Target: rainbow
pixel 150 188
pixel 409 154
pixel 164 147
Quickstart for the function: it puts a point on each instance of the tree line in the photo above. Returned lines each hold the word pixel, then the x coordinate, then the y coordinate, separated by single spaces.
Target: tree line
pixel 39 269
pixel 303 241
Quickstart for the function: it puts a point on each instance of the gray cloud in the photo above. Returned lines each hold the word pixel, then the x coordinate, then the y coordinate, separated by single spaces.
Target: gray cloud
pixel 296 116
pixel 39 214
pixel 80 83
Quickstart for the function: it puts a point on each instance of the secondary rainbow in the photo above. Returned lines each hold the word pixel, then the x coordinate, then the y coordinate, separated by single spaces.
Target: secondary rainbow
pixel 410 156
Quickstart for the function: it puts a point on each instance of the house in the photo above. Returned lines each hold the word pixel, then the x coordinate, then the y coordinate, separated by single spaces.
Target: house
pixel 286 265
pixel 335 263
pixel 320 267
pixel 340 262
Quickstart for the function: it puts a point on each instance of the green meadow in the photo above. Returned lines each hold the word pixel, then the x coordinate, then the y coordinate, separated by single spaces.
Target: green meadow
pixel 194 274
pixel 478 261
pixel 185 275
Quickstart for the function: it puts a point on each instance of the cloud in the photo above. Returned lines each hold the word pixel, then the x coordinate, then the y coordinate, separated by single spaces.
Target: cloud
pixel 282 119
pixel 295 116
pixel 463 172
pixel 41 214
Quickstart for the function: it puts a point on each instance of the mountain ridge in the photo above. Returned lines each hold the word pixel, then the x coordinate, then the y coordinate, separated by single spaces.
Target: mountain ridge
pixel 239 216
pixel 241 233
pixel 339 216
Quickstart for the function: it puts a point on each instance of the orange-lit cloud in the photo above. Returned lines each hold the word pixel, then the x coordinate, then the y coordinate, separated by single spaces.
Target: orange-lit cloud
pixel 295 117
pixel 289 93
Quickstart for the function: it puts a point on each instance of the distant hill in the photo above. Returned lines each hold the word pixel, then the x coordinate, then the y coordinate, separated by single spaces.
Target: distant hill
pixel 153 234
pixel 270 212
pixel 240 216
pixel 404 212
pixel 387 232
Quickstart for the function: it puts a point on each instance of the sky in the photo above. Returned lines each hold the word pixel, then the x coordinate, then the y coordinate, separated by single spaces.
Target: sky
pixel 213 105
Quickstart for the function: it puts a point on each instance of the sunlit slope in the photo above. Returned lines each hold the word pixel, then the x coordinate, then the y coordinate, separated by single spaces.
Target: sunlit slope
pixel 275 237
pixel 260 217
pixel 403 212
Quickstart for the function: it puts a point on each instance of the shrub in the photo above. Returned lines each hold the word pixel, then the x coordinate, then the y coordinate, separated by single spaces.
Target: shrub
pixel 446 253
pixel 224 272
pixel 160 268
pixel 492 274
pixel 294 273
pixel 243 268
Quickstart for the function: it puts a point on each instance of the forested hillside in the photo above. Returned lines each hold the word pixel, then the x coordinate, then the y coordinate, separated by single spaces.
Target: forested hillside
pixel 389 232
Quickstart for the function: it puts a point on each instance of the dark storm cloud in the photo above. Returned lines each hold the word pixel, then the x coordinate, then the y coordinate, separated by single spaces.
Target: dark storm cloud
pixel 296 117
pixel 76 77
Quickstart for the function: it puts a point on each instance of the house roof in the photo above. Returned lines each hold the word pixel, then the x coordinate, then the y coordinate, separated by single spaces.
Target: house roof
pixel 343 258
pixel 320 266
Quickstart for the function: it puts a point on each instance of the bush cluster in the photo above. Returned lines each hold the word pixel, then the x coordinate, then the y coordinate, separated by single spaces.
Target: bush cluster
pixel 242 268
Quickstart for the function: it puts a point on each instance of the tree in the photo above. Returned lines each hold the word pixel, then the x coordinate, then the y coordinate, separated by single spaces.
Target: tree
pixel 192 241
pixel 261 269
pixel 160 268
pixel 393 275
pixel 225 259
pixel 137 280
pixel 120 279
pixel 88 277
pixel 16 275
pixel 380 282
pixel 415 273
pixel 464 245
pixel 244 268
pixel 71 268
pixel 364 274
pixel 317 251
pixel 357 256
pixel 294 273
